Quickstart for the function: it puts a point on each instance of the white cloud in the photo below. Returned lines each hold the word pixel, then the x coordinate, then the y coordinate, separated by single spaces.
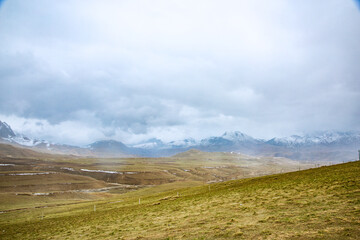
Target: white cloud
pixel 70 132
pixel 130 70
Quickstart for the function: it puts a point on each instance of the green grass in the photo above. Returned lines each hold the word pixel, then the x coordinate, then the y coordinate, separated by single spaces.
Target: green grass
pixel 321 203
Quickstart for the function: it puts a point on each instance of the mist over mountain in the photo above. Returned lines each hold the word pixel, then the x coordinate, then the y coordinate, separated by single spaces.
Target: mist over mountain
pixel 5 130
pixel 319 146
pixel 318 138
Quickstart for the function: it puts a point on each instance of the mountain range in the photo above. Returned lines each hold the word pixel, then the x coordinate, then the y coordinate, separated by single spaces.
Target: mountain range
pixel 319 146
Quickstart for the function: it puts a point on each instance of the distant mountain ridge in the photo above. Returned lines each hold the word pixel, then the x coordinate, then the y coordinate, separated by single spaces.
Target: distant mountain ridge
pixel 8 134
pixel 327 145
pixel 319 138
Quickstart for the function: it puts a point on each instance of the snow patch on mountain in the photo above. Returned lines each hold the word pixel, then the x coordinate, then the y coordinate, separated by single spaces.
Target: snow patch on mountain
pixel 326 137
pixel 234 141
pixel 25 141
pixel 150 144
pixel 237 136
pixel 7 134
pixel 188 142
pixel 155 143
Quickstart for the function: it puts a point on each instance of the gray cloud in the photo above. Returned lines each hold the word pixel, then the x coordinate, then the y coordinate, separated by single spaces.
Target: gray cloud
pixel 130 70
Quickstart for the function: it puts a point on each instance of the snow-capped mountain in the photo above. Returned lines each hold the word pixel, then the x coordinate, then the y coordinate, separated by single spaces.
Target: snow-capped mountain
pixel 237 136
pixel 185 143
pixel 7 134
pixel 333 146
pixel 150 144
pixel 319 138
pixel 214 141
pixel 25 141
pixel 230 138
pixel 155 143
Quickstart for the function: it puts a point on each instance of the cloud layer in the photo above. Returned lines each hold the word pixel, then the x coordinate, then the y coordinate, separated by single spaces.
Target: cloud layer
pixel 131 70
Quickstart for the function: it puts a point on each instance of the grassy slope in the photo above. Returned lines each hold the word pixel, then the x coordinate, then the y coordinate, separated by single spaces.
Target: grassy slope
pixel 321 203
pixel 16 151
pixel 12 197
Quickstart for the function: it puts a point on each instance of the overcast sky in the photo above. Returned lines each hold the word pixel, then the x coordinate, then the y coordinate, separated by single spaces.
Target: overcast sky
pixel 78 71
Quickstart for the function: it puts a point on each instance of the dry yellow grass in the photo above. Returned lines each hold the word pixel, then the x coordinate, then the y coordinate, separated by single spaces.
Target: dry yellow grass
pixel 321 203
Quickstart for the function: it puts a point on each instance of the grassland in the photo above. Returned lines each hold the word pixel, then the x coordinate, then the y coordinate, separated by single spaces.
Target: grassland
pixel 320 203
pixel 189 166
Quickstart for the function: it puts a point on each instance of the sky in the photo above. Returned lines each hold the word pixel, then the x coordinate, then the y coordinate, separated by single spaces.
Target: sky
pixel 77 71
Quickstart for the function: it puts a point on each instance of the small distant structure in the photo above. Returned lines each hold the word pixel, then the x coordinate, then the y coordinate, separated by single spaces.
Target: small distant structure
pixel 359 154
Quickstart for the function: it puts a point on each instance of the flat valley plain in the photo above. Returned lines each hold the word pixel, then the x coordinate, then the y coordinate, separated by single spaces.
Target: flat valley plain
pixel 192 195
